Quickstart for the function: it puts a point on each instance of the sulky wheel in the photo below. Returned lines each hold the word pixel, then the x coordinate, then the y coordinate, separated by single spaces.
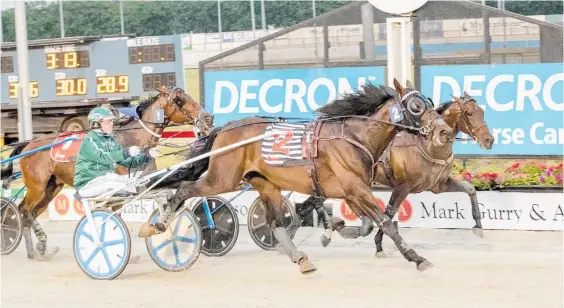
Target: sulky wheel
pixel 220 225
pixel 11 231
pixel 179 246
pixel 258 228
pixel 107 259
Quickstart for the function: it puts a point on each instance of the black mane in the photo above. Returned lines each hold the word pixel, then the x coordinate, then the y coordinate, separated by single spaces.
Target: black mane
pixel 144 104
pixel 362 103
pixel 443 107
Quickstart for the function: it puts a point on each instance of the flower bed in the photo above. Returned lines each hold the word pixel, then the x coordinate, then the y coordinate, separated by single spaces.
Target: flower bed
pixel 517 174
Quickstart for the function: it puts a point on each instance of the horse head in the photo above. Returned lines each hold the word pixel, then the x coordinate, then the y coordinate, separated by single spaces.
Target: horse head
pixel 419 112
pixel 467 116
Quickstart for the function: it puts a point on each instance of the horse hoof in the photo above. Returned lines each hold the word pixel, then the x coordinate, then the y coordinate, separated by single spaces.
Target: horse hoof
pixel 325 240
pixel 478 232
pixel 135 259
pixel 146 230
pixel 306 266
pixel 425 265
pixel 337 222
pixel 380 254
pixel 47 255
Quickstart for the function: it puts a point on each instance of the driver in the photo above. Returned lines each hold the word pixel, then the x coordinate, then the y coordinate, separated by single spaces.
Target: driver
pixel 98 155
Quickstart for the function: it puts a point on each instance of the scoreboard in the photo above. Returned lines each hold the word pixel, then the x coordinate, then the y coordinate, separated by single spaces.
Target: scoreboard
pixel 110 68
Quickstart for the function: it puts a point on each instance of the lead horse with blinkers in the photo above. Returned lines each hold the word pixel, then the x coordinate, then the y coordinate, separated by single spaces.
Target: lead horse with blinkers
pixel 340 151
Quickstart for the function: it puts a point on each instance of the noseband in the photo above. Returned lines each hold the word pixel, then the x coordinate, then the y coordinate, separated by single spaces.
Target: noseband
pixel 466 120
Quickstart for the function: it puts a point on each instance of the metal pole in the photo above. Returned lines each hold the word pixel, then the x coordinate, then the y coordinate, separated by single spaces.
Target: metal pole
pixel 262 15
pixel 313 8
pixel 253 18
pixel 23 70
pixel 121 16
pixel 219 25
pixel 61 18
pixel 367 16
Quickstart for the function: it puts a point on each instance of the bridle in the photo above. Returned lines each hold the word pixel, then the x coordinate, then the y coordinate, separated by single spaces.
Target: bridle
pixel 408 112
pixel 466 119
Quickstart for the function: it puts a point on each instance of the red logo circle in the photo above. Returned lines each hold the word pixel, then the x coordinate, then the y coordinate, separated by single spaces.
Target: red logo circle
pixel 78 208
pixel 346 212
pixel 405 211
pixel 61 203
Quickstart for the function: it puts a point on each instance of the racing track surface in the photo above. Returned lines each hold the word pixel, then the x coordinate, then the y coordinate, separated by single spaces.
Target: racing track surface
pixel 505 269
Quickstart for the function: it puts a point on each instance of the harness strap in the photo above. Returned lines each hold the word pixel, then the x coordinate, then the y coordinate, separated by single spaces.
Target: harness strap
pixel 444 162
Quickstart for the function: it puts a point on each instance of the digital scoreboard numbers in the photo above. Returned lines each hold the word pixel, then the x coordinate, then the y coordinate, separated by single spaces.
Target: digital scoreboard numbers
pixel 14 89
pixel 67 60
pixel 152 54
pixel 112 84
pixel 71 87
pixel 151 82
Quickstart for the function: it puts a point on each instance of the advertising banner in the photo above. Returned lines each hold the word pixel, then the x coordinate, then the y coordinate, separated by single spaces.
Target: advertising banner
pixel 503 211
pixel 292 93
pixel 499 211
pixel 523 103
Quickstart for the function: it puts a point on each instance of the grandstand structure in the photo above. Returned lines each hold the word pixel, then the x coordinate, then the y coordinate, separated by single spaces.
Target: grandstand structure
pixel 444 32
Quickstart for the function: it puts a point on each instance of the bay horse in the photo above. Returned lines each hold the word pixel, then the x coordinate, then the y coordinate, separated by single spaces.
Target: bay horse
pixel 412 164
pixel 44 177
pixel 351 131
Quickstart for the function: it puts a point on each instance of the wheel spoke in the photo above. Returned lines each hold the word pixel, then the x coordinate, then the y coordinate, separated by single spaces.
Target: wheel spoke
pixel 161 246
pixel 175 249
pixel 112 243
pixel 219 207
pixel 177 226
pixel 103 233
pixel 184 239
pixel 224 230
pixel 86 235
pixel 107 258
pixel 255 228
pixel 94 253
pixel 4 229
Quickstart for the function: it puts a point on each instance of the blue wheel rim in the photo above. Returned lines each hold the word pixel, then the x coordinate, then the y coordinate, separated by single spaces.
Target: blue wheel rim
pixel 108 250
pixel 176 245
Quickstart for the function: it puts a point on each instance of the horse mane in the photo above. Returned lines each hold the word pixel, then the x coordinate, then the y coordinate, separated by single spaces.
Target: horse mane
pixel 144 104
pixel 443 107
pixel 363 102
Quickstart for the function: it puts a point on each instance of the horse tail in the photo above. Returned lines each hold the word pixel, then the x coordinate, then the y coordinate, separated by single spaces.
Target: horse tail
pixel 8 170
pixel 193 171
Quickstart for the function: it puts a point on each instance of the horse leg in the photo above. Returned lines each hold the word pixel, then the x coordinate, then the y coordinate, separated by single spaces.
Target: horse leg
pixel 453 185
pixel 33 196
pixel 359 196
pixel 41 252
pixel 399 194
pixel 310 204
pixel 27 221
pixel 272 198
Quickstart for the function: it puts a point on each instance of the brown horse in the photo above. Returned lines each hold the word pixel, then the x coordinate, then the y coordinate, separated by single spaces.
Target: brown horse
pixel 411 164
pixel 352 131
pixel 44 177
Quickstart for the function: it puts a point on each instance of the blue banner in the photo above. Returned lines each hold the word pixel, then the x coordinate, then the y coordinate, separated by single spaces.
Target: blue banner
pixel 523 103
pixel 291 93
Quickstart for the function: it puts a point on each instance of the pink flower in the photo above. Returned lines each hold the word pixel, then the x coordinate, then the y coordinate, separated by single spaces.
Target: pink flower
pixel 542 180
pixel 467 176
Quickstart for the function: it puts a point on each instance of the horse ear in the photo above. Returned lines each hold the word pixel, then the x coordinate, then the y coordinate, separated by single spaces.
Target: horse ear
pixel 456 99
pixel 408 84
pixel 398 86
pixel 466 94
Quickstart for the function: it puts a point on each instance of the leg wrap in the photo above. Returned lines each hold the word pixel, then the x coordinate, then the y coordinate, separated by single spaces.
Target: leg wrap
pixel 367 226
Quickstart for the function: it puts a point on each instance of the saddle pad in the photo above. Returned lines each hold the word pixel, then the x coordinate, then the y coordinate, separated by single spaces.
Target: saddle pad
pixel 285 145
pixel 67 152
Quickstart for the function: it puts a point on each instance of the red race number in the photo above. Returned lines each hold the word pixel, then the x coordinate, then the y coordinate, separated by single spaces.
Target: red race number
pixel 278 145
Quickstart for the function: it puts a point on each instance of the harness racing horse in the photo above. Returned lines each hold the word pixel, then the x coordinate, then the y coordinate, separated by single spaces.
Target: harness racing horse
pixel 412 164
pixel 340 150
pixel 44 177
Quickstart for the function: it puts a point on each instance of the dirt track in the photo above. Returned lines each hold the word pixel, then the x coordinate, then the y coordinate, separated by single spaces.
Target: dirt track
pixel 505 269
